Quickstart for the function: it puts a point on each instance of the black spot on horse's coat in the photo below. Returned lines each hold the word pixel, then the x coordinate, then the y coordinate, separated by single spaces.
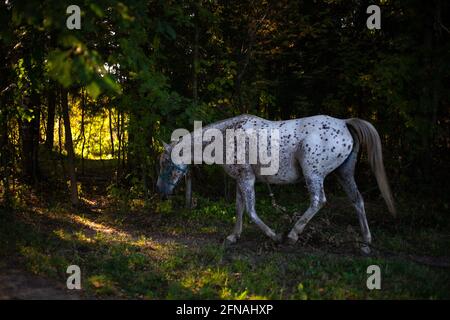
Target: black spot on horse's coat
pixel 339 155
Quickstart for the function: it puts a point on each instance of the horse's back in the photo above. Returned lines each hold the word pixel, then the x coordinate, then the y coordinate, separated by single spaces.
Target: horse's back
pixel 313 145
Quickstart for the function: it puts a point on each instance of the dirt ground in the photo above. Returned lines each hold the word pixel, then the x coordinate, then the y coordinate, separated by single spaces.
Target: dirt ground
pixel 98 217
pixel 17 284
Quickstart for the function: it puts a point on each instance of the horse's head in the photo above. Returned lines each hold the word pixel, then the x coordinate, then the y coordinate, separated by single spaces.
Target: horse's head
pixel 170 173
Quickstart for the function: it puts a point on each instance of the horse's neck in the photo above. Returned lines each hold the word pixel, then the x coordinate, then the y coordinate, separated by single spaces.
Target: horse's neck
pixel 222 126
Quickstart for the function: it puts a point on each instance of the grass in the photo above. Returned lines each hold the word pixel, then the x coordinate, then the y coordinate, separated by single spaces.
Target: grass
pixel 128 248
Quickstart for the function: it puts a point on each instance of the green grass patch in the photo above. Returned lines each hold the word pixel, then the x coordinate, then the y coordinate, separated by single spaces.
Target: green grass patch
pixel 167 252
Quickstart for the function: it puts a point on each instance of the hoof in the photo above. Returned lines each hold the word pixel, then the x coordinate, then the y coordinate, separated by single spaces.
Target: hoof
pixel 365 250
pixel 291 238
pixel 278 238
pixel 231 239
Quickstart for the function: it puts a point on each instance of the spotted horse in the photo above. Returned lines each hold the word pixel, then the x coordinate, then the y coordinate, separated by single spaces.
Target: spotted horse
pixel 312 147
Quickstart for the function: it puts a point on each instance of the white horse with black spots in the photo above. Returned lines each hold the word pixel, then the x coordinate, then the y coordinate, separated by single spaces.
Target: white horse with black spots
pixel 313 147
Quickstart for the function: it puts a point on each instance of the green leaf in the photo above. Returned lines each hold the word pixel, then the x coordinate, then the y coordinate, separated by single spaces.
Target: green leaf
pixel 97 10
pixel 93 89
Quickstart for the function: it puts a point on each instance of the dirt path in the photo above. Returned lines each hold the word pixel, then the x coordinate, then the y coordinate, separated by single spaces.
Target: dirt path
pixel 17 284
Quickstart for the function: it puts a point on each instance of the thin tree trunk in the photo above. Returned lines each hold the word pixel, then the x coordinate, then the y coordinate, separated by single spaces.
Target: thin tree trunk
pixel 111 131
pixel 429 99
pixel 50 117
pixel 225 186
pixel 131 143
pixel 30 140
pixel 4 152
pixel 119 147
pixel 188 196
pixel 122 138
pixel 188 190
pixel 60 139
pixel 83 110
pixel 195 63
pixel 89 141
pixel 437 76
pixel 69 148
pixel 100 143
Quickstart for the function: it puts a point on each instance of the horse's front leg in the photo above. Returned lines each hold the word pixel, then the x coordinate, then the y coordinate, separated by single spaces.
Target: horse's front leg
pixel 232 238
pixel 247 187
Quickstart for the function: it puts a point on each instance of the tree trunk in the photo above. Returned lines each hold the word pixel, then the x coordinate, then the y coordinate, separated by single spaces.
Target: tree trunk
pixel 121 130
pixel 50 117
pixel 83 110
pixel 111 132
pixel 4 152
pixel 188 196
pixel 100 143
pixel 60 140
pixel 195 64
pixel 429 99
pixel 69 148
pixel 131 143
pixel 30 140
pixel 188 190
pixel 119 146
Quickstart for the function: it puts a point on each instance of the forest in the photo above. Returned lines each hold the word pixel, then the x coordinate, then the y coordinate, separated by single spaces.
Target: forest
pixel 84 114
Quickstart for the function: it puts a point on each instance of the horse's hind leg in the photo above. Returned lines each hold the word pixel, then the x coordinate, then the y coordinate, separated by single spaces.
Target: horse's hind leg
pixel 232 238
pixel 318 199
pixel 345 174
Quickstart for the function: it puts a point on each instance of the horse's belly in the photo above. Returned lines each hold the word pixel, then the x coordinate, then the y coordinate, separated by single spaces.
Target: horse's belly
pixel 274 179
pixel 285 175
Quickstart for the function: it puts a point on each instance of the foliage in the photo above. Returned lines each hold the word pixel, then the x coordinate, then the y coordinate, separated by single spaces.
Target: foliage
pixel 139 69
pixel 278 60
